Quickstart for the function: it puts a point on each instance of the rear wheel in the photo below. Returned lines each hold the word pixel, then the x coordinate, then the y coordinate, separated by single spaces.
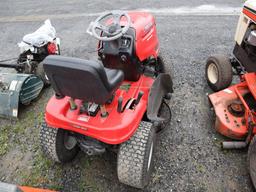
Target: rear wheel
pixel 58 144
pixel 252 160
pixel 218 72
pixel 135 157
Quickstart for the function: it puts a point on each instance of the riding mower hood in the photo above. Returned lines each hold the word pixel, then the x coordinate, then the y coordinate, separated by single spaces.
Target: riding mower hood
pixel 113 104
pixel 25 85
pixel 235 105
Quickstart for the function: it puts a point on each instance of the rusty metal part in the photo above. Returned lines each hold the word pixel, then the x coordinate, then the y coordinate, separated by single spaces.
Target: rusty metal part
pixel 72 103
pixel 236 109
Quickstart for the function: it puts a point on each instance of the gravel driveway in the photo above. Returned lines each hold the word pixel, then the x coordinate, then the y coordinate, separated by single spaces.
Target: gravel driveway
pixel 189 157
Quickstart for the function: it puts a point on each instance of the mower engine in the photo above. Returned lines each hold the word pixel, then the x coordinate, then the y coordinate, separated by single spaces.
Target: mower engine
pixel 113 104
pixel 26 85
pixel 245 37
pixel 29 60
pixel 35 47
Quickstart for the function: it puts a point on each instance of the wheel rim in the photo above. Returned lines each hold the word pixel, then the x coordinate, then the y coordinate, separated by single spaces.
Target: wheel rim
pixel 150 155
pixel 69 141
pixel 212 73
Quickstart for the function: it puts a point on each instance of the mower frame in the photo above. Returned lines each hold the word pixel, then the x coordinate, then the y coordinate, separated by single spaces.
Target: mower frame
pixel 228 124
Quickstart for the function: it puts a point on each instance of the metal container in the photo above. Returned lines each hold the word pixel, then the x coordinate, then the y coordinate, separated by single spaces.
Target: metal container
pixel 17 88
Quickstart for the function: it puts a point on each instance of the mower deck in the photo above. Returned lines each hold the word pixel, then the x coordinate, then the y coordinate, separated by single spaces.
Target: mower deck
pixel 113 129
pixel 234 124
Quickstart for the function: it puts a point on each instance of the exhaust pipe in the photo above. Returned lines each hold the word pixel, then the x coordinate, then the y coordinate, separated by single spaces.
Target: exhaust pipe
pixel 240 144
pixel 233 144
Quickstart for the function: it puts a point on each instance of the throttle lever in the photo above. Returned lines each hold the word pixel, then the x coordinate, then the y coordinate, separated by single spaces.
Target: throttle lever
pixel 141 93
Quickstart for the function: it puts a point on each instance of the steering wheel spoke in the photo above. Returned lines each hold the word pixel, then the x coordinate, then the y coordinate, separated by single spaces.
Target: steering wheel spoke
pixel 100 27
pixel 117 18
pixel 111 31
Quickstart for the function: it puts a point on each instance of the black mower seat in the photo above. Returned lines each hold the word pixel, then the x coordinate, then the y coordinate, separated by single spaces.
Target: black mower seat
pixel 82 79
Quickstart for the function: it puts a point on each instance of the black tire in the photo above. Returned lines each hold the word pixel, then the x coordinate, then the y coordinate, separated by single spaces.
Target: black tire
pixel 133 165
pixel 52 144
pixel 40 73
pixel 252 160
pixel 164 112
pixel 161 62
pixel 218 72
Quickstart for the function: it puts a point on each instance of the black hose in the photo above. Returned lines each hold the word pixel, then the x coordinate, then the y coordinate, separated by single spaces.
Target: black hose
pixel 165 123
pixel 7 60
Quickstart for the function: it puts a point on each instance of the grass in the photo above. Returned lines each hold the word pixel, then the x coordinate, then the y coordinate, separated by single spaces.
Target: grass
pixel 199 167
pixel 86 182
pixel 4 138
pixel 13 129
pixel 38 175
pixel 13 133
pixel 38 171
pixel 28 120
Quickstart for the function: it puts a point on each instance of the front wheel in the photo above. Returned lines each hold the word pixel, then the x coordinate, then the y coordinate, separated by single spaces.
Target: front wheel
pixel 218 72
pixel 252 160
pixel 135 157
pixel 58 144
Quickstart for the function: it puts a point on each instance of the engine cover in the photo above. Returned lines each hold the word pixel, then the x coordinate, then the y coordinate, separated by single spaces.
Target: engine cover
pixel 120 54
pixel 128 52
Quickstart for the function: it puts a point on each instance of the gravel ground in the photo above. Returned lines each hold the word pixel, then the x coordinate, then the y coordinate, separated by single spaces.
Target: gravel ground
pixel 188 158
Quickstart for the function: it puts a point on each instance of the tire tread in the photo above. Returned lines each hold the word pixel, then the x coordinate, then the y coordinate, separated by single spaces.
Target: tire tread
pixel 225 71
pixel 132 156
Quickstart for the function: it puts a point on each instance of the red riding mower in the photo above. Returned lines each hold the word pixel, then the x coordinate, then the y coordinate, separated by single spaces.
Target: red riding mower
pixel 114 105
pixel 235 105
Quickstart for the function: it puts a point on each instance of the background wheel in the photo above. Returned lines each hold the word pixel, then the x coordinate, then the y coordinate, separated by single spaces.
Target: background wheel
pixel 58 144
pixel 218 72
pixel 135 157
pixel 40 73
pixel 252 160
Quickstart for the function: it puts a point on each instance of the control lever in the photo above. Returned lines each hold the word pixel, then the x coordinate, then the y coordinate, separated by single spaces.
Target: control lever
pixel 72 103
pixel 120 104
pixel 141 93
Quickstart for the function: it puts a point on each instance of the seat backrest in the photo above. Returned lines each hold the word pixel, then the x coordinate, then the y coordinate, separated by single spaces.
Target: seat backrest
pixel 77 78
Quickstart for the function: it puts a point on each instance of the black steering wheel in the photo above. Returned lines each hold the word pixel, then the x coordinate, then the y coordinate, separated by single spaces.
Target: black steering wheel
pixel 111 31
